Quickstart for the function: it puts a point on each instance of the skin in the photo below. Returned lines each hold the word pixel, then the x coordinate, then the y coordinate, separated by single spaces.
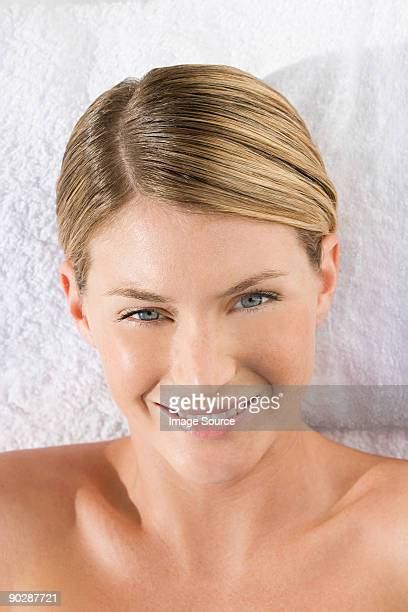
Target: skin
pixel 254 515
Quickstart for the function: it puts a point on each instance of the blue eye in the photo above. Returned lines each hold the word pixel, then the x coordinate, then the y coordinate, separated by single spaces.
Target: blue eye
pixel 145 311
pixel 259 295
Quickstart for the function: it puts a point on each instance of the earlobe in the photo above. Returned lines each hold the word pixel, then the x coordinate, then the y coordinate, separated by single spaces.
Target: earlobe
pixel 75 302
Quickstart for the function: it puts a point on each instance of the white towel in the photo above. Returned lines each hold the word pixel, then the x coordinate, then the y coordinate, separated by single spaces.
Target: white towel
pixel 355 105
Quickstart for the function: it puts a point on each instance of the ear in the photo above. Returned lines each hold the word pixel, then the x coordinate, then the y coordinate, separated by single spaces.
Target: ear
pixel 328 274
pixel 75 301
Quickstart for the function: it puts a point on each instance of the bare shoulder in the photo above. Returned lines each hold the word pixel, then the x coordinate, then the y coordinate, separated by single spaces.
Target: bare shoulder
pixel 32 478
pixel 381 489
pixel 387 484
pixel 37 497
pixel 389 499
pixel 375 495
pixel 383 510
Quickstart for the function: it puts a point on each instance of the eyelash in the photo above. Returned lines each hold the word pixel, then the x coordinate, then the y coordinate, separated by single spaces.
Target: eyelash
pixel 273 295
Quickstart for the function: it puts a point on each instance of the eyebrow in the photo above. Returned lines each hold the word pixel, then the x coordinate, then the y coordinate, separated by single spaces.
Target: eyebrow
pixel 137 293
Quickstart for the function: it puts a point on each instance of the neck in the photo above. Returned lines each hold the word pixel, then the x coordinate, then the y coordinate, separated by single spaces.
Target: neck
pixel 287 491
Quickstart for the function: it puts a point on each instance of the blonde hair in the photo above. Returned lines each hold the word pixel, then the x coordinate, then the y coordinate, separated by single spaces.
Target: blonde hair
pixel 204 138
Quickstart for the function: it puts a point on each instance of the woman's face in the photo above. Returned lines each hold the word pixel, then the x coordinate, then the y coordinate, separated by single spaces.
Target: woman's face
pixel 199 336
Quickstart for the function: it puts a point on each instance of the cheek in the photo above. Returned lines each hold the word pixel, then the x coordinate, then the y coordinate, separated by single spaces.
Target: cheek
pixel 128 365
pixel 283 350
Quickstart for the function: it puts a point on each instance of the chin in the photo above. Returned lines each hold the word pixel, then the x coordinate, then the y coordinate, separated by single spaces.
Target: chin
pixel 215 461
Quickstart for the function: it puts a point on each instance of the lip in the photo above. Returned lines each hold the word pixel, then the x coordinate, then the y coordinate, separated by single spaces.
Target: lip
pixel 167 411
pixel 210 430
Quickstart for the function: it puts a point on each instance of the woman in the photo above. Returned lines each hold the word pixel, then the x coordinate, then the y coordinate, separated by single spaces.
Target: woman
pixel 198 226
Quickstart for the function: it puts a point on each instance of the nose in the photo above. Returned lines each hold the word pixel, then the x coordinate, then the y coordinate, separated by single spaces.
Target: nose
pixel 201 355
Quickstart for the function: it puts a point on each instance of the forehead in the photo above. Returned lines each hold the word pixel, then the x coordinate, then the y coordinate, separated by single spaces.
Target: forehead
pixel 146 222
pixel 160 236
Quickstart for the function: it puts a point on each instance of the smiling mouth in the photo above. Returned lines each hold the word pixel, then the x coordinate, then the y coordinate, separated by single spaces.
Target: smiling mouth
pixel 229 413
